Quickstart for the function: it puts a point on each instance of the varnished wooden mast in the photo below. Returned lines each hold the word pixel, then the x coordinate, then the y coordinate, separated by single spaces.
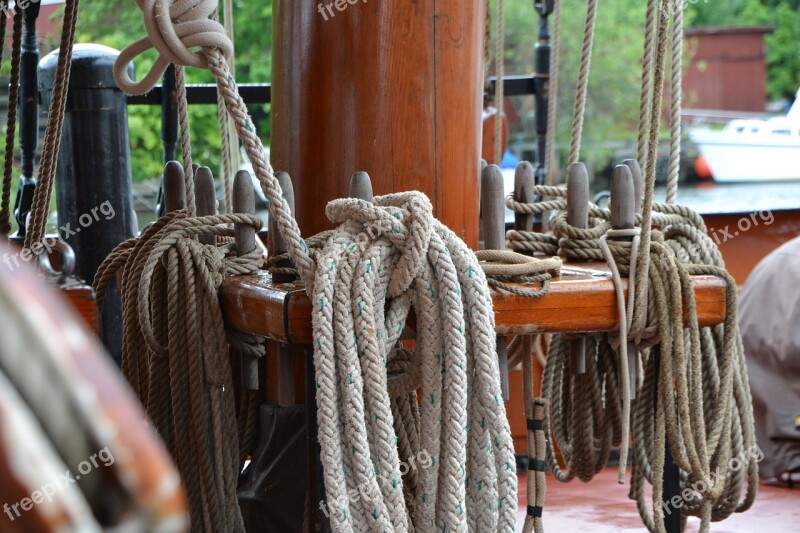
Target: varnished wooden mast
pixel 392 88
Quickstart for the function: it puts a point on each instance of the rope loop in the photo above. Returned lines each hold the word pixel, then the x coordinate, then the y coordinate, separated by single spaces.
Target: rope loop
pixel 405 219
pixel 173 27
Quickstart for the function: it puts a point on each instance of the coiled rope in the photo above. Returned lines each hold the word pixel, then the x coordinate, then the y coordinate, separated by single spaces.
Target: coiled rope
pixel 471 483
pixel 175 354
pixel 700 395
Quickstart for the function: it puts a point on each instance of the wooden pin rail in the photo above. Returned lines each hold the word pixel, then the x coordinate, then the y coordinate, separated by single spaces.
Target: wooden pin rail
pixel 581 300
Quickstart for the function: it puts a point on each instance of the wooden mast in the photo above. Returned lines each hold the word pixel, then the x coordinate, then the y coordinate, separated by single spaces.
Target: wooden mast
pixel 390 88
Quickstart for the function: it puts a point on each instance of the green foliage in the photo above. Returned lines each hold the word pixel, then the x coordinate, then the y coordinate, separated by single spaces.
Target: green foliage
pixel 613 97
pixel 783 44
pixel 783 52
pixel 117 24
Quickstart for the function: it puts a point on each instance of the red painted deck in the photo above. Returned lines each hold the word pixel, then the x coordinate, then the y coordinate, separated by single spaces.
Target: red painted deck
pixel 603 506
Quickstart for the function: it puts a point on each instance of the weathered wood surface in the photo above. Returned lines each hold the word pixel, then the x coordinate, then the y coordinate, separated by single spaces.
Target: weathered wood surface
pixel 582 299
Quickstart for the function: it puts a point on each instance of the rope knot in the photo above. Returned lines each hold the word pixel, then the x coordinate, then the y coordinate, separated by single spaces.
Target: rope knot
pixel 405 219
pixel 173 27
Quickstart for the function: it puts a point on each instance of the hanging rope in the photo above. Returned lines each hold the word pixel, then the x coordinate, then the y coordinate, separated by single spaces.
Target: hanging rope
pixel 11 119
pixel 673 174
pixel 52 135
pixel 699 395
pixel 186 139
pixel 499 86
pixel 419 262
pixel 583 82
pixel 645 98
pixel 230 144
pixel 552 100
pixel 175 353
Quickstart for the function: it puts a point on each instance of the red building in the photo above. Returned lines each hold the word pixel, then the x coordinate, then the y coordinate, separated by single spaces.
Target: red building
pixel 48 28
pixel 727 69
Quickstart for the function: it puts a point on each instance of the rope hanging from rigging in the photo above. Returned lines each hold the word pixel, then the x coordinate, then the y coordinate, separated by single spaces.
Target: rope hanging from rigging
pixel 409 259
pixel 699 391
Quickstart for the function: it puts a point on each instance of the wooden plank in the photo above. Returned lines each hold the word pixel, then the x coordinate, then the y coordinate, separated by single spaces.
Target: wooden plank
pixel 582 299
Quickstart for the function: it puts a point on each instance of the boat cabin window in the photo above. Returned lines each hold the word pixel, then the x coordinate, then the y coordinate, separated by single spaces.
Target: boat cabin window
pixel 781 132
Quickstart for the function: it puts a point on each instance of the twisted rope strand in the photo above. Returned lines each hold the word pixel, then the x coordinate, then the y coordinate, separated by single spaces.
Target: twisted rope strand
pixel 583 82
pixel 11 119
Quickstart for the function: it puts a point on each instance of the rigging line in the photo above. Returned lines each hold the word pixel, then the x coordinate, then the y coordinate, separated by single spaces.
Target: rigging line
pixel 583 82
pixel 673 174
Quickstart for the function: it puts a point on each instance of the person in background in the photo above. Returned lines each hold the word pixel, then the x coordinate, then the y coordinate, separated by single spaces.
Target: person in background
pixel 769 310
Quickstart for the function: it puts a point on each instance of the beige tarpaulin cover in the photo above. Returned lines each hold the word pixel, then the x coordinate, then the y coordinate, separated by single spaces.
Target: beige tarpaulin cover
pixel 770 322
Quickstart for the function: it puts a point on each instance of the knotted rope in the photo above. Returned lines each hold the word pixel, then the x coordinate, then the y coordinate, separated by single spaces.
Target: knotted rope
pixel 412 260
pixel 418 262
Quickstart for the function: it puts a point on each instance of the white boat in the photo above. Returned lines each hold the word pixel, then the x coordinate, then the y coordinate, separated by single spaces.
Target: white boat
pixel 753 150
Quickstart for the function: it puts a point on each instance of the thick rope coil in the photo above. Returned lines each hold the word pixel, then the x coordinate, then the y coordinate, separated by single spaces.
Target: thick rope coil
pixel 175 353
pixel 416 260
pixel 462 420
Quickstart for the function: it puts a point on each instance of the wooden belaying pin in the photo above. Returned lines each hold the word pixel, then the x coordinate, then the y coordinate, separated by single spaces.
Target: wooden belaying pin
pixel 286 394
pixel 638 183
pixel 524 181
pixel 205 198
pixel 493 224
pixel 244 201
pixel 360 187
pixel 623 216
pixel 277 244
pixel 174 187
pixel 578 217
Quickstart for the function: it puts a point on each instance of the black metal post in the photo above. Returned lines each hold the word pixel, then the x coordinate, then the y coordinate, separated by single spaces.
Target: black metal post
pixel 169 114
pixel 28 118
pixel 93 177
pixel 542 81
pixel 672 474
pixel 169 127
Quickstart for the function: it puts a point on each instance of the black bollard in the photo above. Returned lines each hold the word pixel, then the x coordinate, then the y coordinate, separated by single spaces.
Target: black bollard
pixel 93 178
